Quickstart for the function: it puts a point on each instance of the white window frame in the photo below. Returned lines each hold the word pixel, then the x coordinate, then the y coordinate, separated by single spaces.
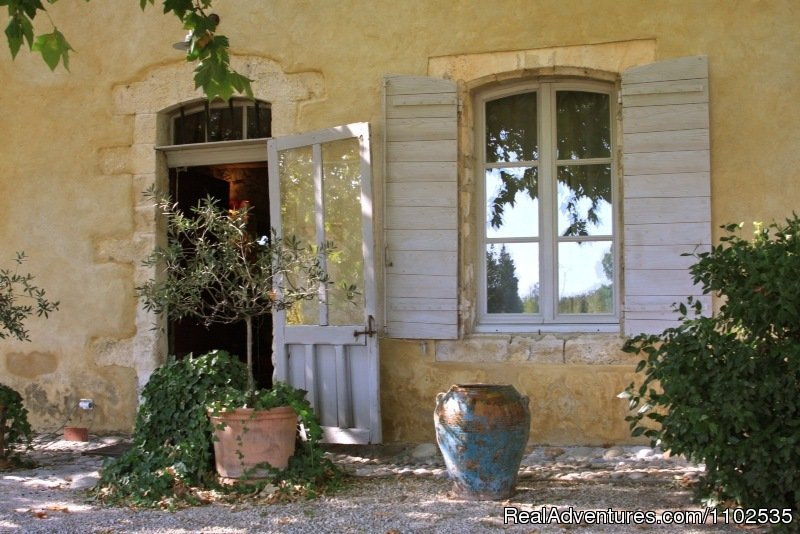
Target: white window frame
pixel 548 320
pixel 214 152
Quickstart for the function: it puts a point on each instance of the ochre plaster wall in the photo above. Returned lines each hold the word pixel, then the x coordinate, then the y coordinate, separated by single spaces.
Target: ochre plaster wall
pixel 569 402
pixel 78 150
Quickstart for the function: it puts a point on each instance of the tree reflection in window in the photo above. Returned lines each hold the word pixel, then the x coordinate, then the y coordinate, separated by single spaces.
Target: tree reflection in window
pixel 582 125
pixel 584 193
pixel 511 183
pixel 502 284
pixel 554 141
pixel 582 131
pixel 511 137
pixel 511 129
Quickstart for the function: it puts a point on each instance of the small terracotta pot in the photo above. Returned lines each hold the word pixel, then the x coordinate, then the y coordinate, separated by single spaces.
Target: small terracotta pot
pixel 76 433
pixel 252 437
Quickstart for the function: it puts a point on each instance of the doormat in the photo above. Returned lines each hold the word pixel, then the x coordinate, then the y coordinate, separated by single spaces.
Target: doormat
pixel 113 451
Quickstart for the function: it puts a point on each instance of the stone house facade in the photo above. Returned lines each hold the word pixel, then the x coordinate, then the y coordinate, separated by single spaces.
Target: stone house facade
pixel 530 173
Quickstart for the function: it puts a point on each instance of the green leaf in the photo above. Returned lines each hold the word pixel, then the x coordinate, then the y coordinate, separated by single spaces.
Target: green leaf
pixel 202 75
pixel 19 27
pixel 179 7
pixel 30 7
pixel 54 48
pixel 242 85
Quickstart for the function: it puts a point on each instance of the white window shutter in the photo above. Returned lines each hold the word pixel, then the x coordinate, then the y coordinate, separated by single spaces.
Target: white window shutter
pixel 421 207
pixel 667 206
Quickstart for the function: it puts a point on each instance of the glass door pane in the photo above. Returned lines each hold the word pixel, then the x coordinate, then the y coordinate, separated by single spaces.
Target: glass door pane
pixel 321 202
pixel 341 178
pixel 296 170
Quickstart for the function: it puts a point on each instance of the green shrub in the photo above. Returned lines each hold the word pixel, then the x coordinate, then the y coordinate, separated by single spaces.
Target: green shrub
pixel 15 431
pixel 171 460
pixel 19 299
pixel 172 436
pixel 725 390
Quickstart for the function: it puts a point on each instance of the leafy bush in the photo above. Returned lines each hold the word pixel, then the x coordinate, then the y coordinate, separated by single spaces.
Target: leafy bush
pixel 14 427
pixel 15 288
pixel 171 461
pixel 19 298
pixel 725 390
pixel 172 435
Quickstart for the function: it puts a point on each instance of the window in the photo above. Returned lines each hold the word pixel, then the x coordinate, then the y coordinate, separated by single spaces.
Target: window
pixel 218 121
pixel 548 252
pixel 666 188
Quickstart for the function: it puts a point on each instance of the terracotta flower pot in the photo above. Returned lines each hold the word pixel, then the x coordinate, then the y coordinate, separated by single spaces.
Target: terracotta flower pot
pixel 76 433
pixel 252 437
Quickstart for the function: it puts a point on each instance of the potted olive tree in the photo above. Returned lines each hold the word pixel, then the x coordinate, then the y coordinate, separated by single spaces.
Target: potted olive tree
pixel 19 299
pixel 214 270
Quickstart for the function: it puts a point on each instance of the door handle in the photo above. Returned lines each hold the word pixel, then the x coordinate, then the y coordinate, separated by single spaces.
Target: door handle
pixel 369 330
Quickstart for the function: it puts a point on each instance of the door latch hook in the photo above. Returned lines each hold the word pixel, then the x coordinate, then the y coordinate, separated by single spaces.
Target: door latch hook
pixel 369 330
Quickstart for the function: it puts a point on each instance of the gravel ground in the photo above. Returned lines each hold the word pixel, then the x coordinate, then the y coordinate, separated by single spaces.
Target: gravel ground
pixel 395 491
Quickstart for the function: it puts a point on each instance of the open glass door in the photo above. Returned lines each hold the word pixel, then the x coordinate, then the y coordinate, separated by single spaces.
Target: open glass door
pixel 320 190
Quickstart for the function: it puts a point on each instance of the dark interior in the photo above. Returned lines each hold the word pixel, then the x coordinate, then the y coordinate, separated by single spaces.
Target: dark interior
pixel 230 185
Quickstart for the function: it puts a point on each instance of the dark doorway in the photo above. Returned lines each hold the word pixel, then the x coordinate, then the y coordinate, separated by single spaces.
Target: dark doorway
pixel 232 186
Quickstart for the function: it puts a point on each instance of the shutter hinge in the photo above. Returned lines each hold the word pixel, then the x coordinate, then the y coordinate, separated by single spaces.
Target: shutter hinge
pixel 619 96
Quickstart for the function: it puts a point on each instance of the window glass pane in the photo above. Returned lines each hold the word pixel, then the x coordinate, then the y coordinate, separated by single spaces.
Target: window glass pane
pixel 341 176
pixel 225 124
pixel 511 129
pixel 512 278
pixel 258 124
pixel 585 277
pixel 582 125
pixel 191 128
pixel 512 203
pixel 584 200
pixel 296 171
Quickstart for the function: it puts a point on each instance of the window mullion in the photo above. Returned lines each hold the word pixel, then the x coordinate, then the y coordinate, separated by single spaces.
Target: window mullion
pixel 244 121
pixel 547 194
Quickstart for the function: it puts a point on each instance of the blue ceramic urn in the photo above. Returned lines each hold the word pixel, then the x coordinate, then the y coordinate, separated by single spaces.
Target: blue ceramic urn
pixel 482 431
